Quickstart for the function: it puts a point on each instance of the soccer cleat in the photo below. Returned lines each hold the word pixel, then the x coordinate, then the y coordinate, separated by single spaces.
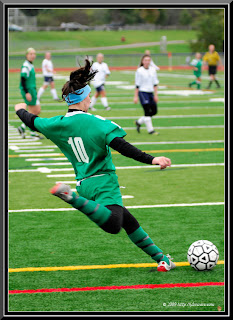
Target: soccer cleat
pixel 164 267
pixel 21 131
pixel 107 108
pixel 190 85
pixel 154 132
pixel 37 137
pixel 137 126
pixel 62 191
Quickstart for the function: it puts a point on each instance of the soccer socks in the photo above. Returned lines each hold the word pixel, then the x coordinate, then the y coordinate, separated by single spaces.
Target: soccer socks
pixel 194 82
pixel 54 94
pixel 141 239
pixel 94 211
pixel 93 102
pixel 209 85
pixel 148 123
pixel 104 102
pixel 198 85
pixel 141 120
pixel 216 81
pixel 40 92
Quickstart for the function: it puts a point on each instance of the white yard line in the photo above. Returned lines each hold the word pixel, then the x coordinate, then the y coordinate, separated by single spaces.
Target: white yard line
pixel 47 159
pixel 24 143
pixel 51 164
pixel 15 148
pixel 48 170
pixel 69 175
pixel 171 116
pixel 179 127
pixel 36 150
pixel 129 207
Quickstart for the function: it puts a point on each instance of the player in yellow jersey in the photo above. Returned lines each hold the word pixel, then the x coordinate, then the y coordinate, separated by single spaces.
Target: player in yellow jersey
pixel 212 59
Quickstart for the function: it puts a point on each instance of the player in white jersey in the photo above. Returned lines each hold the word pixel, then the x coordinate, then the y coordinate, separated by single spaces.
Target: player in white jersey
pixel 146 82
pixel 47 70
pixel 152 64
pixel 99 80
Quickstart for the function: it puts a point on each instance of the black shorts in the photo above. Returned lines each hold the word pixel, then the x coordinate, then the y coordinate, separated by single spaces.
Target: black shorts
pixel 100 88
pixel 148 103
pixel 48 79
pixel 212 70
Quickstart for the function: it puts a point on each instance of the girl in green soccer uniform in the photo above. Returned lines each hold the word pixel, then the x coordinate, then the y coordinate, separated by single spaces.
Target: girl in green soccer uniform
pixel 85 140
pixel 197 66
pixel 28 89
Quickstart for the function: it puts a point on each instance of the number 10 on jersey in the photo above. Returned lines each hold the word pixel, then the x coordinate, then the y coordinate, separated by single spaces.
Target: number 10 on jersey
pixel 78 149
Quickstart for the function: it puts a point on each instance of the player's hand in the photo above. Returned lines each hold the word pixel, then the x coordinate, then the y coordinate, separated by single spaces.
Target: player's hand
pixel 135 99
pixel 28 96
pixel 20 106
pixel 156 98
pixel 163 162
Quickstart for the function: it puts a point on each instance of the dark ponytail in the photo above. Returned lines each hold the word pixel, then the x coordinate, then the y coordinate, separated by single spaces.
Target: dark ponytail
pixel 78 79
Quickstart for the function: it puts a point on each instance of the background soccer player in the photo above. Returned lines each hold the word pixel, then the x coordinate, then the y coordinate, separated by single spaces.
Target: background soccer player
pixel 47 70
pixel 146 82
pixel 152 64
pixel 197 66
pixel 85 139
pixel 212 59
pixel 99 80
pixel 28 89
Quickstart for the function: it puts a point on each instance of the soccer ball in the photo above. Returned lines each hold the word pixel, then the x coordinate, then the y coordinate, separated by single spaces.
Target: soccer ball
pixel 202 255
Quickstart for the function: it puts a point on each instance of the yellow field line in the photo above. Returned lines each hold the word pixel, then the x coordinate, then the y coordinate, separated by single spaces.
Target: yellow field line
pixel 148 151
pixel 92 267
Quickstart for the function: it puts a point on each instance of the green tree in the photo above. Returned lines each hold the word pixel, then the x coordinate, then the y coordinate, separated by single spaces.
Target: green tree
pixel 185 17
pixel 30 12
pixel 149 15
pixel 162 19
pixel 210 26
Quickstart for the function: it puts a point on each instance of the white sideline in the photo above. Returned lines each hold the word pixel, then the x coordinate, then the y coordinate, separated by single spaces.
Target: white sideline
pixel 171 116
pixel 46 170
pixel 179 127
pixel 129 207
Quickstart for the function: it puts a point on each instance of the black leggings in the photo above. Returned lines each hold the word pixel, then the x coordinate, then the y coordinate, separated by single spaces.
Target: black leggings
pixel 120 218
pixel 150 109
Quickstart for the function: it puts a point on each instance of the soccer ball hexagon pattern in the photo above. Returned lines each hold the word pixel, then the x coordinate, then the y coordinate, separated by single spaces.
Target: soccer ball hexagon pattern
pixel 203 255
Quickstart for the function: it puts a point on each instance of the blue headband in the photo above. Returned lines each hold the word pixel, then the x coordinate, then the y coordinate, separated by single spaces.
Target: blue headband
pixel 73 98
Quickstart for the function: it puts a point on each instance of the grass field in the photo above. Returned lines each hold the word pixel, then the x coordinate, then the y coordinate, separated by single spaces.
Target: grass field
pixel 18 41
pixel 53 247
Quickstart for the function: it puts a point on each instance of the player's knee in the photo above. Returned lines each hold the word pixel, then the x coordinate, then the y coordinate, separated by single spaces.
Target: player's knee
pixel 114 223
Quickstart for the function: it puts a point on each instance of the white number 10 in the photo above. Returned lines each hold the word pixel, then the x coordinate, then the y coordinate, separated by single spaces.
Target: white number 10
pixel 78 149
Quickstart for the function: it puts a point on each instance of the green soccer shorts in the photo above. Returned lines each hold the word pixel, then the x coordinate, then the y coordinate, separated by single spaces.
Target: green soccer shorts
pixel 103 189
pixel 33 93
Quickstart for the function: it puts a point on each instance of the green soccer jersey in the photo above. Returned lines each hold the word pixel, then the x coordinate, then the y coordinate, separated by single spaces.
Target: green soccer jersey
pixel 84 140
pixel 198 64
pixel 28 72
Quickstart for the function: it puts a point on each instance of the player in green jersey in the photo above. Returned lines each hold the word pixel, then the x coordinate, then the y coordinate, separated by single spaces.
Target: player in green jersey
pixel 85 139
pixel 28 89
pixel 197 66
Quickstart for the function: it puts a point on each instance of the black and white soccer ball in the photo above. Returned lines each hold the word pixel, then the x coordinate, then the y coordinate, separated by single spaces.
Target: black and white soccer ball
pixel 203 255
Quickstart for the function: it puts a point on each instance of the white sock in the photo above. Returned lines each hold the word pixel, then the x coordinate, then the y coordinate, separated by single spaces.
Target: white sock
pixel 93 101
pixel 40 92
pixel 148 122
pixel 54 93
pixel 104 102
pixel 141 120
pixel 23 126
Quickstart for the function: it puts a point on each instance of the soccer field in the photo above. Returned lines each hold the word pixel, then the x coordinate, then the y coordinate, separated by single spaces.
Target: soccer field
pixel 61 261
